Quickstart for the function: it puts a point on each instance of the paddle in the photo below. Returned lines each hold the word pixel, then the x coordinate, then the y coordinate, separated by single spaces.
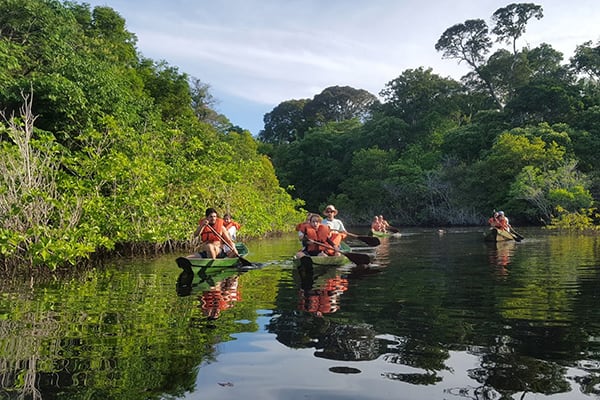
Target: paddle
pixel 356 258
pixel 370 240
pixel 244 262
pixel 518 237
pixel 393 230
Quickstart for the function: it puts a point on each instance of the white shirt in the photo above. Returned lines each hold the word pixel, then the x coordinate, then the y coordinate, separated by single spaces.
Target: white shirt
pixel 335 224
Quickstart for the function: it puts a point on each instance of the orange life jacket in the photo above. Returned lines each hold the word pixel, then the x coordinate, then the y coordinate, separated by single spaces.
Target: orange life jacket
pixel 232 223
pixel 321 234
pixel 208 236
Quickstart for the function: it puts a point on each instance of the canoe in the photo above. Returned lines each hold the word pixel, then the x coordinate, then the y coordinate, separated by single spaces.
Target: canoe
pixel 328 260
pixel 385 234
pixel 497 235
pixel 199 262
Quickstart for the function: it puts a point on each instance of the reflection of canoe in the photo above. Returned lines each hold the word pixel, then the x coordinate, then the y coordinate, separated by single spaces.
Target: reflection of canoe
pixel 328 260
pixel 497 235
pixel 197 279
pixel 218 262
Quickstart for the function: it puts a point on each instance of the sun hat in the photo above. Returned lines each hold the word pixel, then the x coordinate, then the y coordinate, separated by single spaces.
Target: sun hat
pixel 330 208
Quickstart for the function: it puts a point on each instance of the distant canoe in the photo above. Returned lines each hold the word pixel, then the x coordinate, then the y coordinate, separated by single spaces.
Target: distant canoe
pixel 497 235
pixel 200 262
pixel 385 234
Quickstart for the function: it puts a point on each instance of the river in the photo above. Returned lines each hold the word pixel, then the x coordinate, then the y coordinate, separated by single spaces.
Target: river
pixel 439 314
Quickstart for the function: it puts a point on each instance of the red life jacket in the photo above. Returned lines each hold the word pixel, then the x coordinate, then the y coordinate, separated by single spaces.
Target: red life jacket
pixel 208 236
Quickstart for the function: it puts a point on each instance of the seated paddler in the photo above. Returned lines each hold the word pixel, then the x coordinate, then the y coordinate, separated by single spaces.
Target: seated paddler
pixel 316 239
pixel 215 241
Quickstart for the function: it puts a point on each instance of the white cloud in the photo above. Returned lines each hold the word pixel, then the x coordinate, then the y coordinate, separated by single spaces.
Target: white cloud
pixel 263 52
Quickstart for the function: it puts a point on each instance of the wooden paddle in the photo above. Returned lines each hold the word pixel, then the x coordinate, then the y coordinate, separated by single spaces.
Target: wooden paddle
pixel 244 262
pixel 393 230
pixel 518 237
pixel 356 258
pixel 370 240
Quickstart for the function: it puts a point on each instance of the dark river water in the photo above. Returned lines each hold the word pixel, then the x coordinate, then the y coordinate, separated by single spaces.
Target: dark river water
pixel 437 315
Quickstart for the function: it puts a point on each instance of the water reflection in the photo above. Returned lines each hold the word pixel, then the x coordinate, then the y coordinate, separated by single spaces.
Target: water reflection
pixel 218 288
pixel 432 322
pixel 500 254
pixel 320 288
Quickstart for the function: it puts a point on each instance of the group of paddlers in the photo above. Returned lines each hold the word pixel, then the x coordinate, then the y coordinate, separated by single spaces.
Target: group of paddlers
pixel 321 236
pixel 379 224
pixel 217 235
pixel 499 221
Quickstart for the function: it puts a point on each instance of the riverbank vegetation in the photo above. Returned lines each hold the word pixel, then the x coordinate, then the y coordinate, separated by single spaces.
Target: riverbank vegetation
pixel 519 132
pixel 103 150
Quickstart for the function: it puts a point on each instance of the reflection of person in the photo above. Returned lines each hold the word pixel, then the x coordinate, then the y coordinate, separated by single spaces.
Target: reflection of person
pixel 338 231
pixel 314 234
pixel 324 299
pixel 214 236
pixel 219 297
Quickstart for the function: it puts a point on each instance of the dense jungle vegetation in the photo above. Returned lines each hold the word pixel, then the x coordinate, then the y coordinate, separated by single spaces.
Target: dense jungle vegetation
pixel 103 150
pixel 519 132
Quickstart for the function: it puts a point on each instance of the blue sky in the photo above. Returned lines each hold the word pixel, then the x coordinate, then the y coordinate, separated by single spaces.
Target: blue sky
pixel 255 54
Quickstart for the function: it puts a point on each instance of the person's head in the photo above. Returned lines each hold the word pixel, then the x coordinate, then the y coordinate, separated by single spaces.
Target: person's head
pixel 211 214
pixel 315 220
pixel 227 217
pixel 308 216
pixel 501 213
pixel 330 211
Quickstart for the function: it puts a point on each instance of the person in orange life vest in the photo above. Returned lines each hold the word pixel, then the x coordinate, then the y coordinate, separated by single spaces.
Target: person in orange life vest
pixel 376 224
pixel 503 221
pixel 232 226
pixel 338 231
pixel 316 232
pixel 384 224
pixel 493 221
pixel 213 236
pixel 303 225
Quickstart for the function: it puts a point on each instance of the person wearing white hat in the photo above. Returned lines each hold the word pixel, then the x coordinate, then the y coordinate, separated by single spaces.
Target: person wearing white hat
pixel 338 231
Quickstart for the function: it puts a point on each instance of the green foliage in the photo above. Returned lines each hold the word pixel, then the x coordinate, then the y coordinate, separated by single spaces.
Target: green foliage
pixel 582 220
pixel 108 150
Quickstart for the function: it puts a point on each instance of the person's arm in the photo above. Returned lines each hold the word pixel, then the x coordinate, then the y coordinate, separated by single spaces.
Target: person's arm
pixel 201 226
pixel 228 241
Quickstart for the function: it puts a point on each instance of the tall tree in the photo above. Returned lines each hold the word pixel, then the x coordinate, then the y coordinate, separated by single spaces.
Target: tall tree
pixel 285 123
pixel 511 21
pixel 339 103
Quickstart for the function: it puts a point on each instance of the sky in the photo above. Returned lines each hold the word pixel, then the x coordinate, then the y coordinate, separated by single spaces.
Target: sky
pixel 255 54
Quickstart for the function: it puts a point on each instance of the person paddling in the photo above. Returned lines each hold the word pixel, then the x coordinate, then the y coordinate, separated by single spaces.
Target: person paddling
pixel 338 231
pixel 214 236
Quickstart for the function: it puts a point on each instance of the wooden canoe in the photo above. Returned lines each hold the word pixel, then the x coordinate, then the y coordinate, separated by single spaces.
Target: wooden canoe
pixel 348 256
pixel 328 260
pixel 199 262
pixel 497 235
